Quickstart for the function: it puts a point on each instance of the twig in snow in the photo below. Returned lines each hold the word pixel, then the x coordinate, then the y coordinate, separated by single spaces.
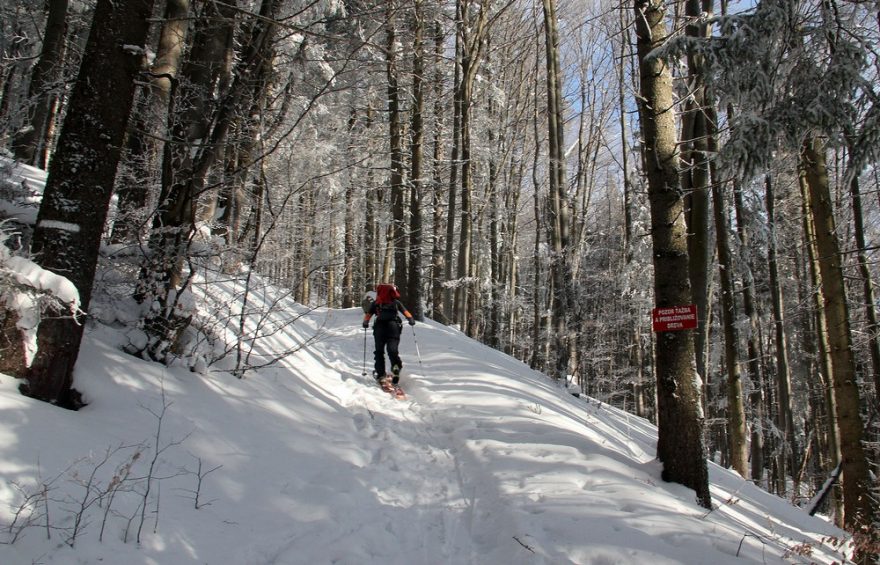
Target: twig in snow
pixel 519 541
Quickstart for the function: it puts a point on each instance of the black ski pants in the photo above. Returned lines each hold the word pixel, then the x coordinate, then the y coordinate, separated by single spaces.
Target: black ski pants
pixel 387 337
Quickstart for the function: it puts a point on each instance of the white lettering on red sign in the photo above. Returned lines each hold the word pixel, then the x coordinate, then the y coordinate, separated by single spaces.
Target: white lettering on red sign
pixel 674 318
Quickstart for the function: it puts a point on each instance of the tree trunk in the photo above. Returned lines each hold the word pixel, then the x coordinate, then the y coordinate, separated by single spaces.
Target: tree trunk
pixel 858 505
pixel 397 231
pixel 736 423
pixel 753 352
pixel 695 183
pixel 371 225
pixel 559 207
pixel 150 123
pixel 459 309
pixel 29 142
pixel 538 358
pixel 624 136
pixel 417 128
pixel 447 314
pixel 438 244
pixel 303 284
pixel 473 38
pixel 349 239
pixel 784 417
pixel 680 443
pixel 832 439
pixel 76 199
pixel 873 327
pixel 197 141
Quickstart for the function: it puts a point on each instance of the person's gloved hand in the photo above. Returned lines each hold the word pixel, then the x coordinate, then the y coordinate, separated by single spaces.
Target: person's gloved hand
pixel 412 321
pixel 366 324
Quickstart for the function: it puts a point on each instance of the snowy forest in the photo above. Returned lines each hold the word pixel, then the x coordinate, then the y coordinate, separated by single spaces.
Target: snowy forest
pixel 541 175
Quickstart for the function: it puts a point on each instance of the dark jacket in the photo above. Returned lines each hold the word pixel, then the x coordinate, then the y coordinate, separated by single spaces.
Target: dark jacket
pixel 376 310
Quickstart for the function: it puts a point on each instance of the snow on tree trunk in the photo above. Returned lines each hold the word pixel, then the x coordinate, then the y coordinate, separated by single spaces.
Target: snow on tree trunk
pixel 76 199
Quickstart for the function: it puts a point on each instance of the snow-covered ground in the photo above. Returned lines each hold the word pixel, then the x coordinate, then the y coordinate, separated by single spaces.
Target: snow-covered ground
pixel 308 462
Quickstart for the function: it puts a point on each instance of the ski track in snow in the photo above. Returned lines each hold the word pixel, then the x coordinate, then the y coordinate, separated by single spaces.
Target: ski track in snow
pixel 446 451
pixel 433 456
pixel 423 459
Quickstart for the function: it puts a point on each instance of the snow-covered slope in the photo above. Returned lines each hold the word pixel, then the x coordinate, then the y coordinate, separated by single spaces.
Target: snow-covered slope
pixel 308 462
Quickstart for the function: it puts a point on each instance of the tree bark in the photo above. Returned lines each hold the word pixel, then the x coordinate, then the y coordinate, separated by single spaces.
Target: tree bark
pixel 873 326
pixel 439 243
pixel 349 238
pixel 753 350
pixel 397 231
pixel 150 123
pixel 473 39
pixel 558 209
pixel 680 443
pixel 784 417
pixel 859 508
pixel 447 313
pixel 417 184
pixel 76 199
pixel 823 349
pixel 29 142
pixel 197 141
pixel 695 182
pixel 736 424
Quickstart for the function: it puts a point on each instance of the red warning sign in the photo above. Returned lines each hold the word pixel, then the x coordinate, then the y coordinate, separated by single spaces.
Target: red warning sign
pixel 674 318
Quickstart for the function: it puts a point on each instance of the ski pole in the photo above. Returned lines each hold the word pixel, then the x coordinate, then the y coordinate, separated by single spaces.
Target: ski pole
pixel 418 353
pixel 364 373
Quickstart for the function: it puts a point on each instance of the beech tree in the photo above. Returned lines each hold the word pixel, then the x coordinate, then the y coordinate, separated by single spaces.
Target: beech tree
pixel 558 208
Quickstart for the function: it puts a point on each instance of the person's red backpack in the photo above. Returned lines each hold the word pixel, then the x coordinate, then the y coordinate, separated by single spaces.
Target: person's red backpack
pixel 386 294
